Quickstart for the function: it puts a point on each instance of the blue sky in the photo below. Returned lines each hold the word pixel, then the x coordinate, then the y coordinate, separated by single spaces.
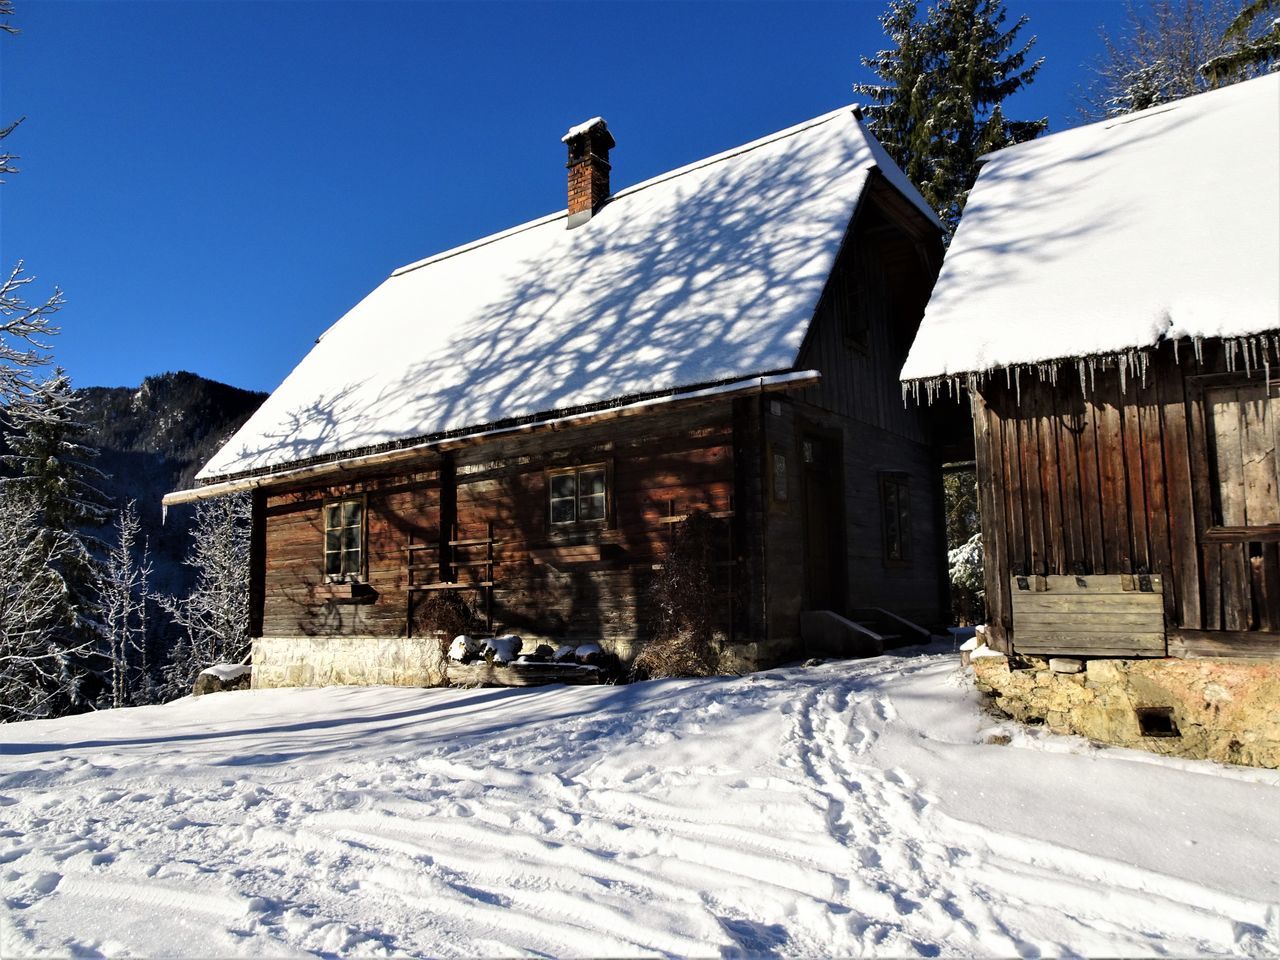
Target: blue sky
pixel 213 184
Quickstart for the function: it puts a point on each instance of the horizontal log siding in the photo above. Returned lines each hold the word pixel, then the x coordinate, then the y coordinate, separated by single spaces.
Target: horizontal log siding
pixel 398 507
pixel 662 464
pixel 1105 482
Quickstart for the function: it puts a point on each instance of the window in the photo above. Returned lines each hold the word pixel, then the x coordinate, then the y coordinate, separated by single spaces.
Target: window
pixel 579 495
pixel 344 539
pixel 779 483
pixel 895 507
pixel 1242 420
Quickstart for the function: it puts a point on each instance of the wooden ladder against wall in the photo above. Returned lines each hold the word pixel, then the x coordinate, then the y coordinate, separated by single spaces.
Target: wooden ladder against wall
pixel 471 554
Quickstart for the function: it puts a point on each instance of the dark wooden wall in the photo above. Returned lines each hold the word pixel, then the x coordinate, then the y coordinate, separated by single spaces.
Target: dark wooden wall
pixel 1119 480
pixel 881 282
pixel 879 288
pixel 586 582
pixel 398 508
pixel 915 588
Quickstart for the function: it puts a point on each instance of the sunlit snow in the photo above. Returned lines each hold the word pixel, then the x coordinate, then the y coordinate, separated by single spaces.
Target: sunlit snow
pixel 848 809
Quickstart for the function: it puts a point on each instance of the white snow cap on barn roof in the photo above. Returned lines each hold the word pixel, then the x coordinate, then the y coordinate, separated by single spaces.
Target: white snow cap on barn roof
pixel 1114 236
pixel 705 274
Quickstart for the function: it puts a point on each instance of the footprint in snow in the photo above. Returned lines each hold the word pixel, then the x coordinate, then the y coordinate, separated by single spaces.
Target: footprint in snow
pixel 44 884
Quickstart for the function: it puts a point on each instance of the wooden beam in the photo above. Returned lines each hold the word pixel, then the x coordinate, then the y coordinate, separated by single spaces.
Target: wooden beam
pixel 797 380
pixel 1254 645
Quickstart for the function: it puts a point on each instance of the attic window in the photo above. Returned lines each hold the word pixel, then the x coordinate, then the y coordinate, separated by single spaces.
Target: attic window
pixel 344 539
pixel 579 495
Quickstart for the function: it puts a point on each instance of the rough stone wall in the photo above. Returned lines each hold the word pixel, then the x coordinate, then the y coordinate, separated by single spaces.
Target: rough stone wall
pixel 1225 710
pixel 325 661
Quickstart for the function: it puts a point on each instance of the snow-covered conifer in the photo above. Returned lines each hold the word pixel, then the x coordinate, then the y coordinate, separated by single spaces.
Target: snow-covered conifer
pixel 52 466
pixel 126 573
pixel 1170 49
pixel 25 329
pixel 1252 42
pixel 214 616
pixel 938 100
pixel 38 669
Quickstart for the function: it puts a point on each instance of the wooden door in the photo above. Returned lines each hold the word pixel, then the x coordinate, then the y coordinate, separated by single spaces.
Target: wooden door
pixel 824 543
pixel 1243 422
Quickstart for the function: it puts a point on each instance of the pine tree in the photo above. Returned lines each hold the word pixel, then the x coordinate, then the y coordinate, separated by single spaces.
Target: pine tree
pixel 125 596
pixel 938 103
pixel 48 630
pixel 964 544
pixel 902 97
pixel 1167 50
pixel 53 470
pixel 214 616
pixel 24 327
pixel 1252 44
pixel 37 672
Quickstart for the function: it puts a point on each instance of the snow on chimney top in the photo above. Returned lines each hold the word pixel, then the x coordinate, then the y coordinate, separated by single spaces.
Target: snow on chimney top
pixel 589 145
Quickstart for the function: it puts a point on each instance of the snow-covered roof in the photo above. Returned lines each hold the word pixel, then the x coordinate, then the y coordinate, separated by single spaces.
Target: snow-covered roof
pixel 702 275
pixel 1114 236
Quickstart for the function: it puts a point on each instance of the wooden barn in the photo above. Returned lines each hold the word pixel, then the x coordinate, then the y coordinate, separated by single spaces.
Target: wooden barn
pixel 522 421
pixel 1111 305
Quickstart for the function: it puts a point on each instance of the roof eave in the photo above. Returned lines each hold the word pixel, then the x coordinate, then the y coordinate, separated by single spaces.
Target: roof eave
pixel 340 465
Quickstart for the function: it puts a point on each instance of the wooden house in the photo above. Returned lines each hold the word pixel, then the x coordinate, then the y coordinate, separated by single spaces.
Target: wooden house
pixel 520 421
pixel 1111 305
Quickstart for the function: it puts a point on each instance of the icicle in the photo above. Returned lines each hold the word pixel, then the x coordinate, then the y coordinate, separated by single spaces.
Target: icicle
pixel 1017 379
pixel 1199 349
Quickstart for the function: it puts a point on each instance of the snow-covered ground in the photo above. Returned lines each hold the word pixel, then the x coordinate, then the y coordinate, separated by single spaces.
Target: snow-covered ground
pixel 852 808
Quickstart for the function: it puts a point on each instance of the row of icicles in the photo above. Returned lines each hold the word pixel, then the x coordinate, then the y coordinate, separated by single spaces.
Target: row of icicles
pixel 1248 353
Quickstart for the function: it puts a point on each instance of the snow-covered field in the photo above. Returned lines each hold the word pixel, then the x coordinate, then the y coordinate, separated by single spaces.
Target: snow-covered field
pixel 851 808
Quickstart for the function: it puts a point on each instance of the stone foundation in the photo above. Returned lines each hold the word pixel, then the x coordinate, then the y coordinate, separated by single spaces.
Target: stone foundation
pixel 1226 710
pixel 329 661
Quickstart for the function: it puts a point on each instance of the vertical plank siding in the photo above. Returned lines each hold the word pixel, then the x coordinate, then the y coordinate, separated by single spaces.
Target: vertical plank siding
pixel 879 286
pixel 1174 474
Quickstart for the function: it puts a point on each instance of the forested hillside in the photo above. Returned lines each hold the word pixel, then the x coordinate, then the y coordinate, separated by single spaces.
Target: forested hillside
pixel 152 439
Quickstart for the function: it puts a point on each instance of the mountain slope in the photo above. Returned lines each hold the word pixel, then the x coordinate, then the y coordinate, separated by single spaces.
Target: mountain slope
pixel 153 438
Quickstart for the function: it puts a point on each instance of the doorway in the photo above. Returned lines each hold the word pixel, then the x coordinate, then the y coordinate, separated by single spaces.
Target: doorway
pixel 824 526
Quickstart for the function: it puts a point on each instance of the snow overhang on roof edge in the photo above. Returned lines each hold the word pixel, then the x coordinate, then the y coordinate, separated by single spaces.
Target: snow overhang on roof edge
pixel 1246 352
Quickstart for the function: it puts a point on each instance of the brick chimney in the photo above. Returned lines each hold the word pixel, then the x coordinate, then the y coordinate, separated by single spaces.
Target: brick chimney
pixel 589 145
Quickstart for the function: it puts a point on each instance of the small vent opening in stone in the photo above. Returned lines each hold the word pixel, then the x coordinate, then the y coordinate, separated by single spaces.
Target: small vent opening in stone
pixel 1157 722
